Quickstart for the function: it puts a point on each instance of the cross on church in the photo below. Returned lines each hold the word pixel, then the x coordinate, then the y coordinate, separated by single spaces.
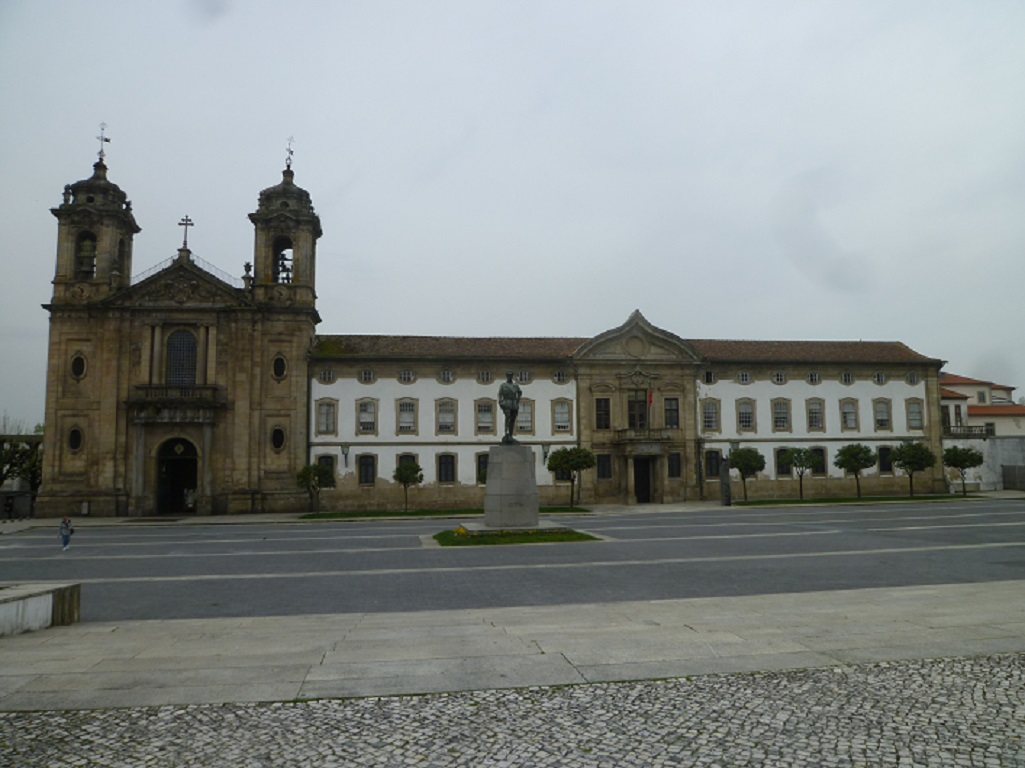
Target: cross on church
pixel 103 140
pixel 186 222
pixel 288 150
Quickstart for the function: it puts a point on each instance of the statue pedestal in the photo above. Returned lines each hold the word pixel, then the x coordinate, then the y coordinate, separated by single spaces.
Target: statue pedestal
pixel 510 497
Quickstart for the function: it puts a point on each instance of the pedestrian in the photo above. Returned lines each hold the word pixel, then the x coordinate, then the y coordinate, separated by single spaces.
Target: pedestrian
pixel 66 530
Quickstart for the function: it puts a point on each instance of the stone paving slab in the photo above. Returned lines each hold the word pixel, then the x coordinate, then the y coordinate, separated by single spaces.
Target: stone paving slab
pixel 289 657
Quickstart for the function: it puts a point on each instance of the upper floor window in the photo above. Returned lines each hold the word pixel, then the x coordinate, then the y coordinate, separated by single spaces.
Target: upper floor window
pixel 525 418
pixel 815 410
pixel 916 413
pixel 78 366
pixel 485 417
pixel 671 407
pixel 912 378
pixel 562 419
pixel 561 377
pixel 743 377
pixel 746 415
pixel 637 408
pixel 484 376
pixel 326 376
pixel 602 413
pixel 181 359
pixel 407 376
pixel 880 378
pixel 366 417
pixel 981 396
pixel 882 414
pixel 446 376
pixel 710 415
pixel 710 377
pixel 327 417
pixel 525 376
pixel 848 415
pixel 445 414
pixel 367 376
pixel 779 377
pixel 407 417
pixel 780 415
pixel 846 377
pixel 814 377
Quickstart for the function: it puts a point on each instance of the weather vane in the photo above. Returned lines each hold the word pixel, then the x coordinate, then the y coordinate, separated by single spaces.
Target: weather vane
pixel 288 151
pixel 103 140
pixel 186 222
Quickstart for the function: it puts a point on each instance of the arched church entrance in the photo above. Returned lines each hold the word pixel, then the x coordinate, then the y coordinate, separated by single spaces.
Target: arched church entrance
pixel 177 470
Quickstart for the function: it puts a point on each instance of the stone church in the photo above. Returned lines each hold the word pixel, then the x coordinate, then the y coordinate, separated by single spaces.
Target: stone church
pixel 186 390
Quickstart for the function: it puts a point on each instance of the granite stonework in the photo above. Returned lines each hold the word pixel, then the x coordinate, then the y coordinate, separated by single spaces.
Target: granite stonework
pixel 510 498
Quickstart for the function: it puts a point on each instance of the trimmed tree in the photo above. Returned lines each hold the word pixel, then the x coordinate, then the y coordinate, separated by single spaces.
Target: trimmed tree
pixel 312 478
pixel 912 458
pixel 407 473
pixel 962 459
pixel 570 462
pixel 852 459
pixel 748 462
pixel 802 460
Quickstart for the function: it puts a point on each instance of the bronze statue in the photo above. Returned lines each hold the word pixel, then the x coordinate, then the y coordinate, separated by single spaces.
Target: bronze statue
pixel 509 395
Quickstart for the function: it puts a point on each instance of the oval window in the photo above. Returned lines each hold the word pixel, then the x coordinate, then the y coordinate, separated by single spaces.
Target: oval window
pixel 277 438
pixel 75 439
pixel 78 366
pixel 279 367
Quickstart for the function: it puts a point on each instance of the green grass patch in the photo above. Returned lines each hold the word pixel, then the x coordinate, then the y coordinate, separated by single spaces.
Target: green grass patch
pixel 852 500
pixel 460 537
pixel 353 514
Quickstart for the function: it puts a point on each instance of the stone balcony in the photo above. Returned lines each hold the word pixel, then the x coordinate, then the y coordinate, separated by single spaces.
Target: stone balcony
pixel 160 403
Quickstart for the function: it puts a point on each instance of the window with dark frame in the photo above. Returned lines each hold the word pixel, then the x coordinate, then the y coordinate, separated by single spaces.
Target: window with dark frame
pixel 671 405
pixel 674 465
pixel 713 460
pixel 604 466
pixel 367 465
pixel 602 413
pixel 446 468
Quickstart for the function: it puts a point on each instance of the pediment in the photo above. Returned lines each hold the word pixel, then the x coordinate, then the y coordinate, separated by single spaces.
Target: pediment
pixel 637 341
pixel 181 285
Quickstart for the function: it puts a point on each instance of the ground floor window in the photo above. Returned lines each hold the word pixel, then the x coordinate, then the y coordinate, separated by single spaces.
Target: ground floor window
pixel 446 468
pixel 367 466
pixel 675 465
pixel 604 465
pixel 712 461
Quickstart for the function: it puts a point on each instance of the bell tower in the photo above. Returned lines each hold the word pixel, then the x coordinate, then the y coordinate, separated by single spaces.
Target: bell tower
pixel 94 237
pixel 287 229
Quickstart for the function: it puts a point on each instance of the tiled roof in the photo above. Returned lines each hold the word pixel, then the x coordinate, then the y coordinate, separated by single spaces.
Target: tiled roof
pixel 714 350
pixel 809 351
pixel 949 394
pixel 954 380
pixel 996 410
pixel 451 347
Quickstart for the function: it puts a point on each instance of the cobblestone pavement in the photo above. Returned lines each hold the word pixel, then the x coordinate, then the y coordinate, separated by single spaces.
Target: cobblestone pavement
pixel 949 712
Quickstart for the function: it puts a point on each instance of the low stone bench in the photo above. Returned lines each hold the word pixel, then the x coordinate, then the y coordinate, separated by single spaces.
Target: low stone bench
pixel 24 607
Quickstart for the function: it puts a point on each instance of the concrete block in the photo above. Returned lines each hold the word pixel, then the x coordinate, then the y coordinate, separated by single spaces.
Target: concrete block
pixel 511 498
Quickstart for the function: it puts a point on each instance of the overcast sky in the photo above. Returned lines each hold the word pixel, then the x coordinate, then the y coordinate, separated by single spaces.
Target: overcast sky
pixel 766 170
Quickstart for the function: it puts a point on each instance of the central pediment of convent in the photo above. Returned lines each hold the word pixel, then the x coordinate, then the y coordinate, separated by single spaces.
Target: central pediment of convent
pixel 637 339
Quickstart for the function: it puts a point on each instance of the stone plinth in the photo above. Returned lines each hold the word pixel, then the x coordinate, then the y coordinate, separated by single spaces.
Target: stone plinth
pixel 510 498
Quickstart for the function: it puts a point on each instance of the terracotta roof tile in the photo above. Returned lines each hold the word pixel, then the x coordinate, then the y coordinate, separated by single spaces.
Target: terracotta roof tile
pixel 996 410
pixel 550 348
pixel 809 351
pixel 949 394
pixel 451 347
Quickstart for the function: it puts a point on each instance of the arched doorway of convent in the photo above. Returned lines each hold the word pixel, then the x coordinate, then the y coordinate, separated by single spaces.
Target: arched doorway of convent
pixel 177 470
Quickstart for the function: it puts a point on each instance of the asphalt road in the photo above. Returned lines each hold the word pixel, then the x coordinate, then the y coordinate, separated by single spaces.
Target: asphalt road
pixel 155 571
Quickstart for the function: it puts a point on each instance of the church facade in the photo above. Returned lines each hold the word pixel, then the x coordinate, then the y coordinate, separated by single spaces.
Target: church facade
pixel 186 390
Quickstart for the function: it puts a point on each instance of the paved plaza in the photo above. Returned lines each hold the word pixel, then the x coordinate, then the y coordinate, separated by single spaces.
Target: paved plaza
pixel 925 674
